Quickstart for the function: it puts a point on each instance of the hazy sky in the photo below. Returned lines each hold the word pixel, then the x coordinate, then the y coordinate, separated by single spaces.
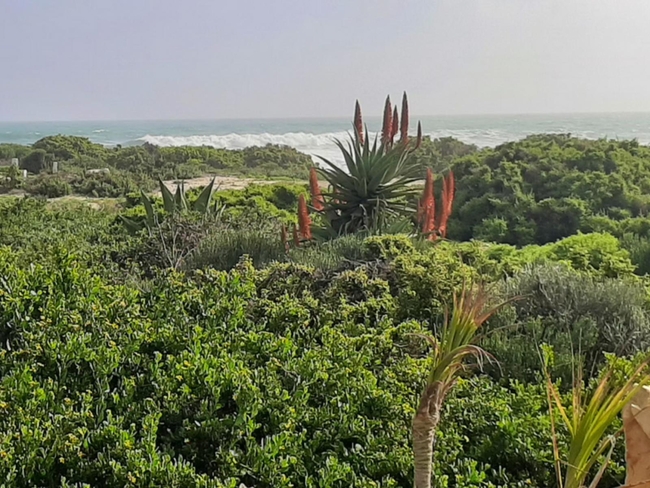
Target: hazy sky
pixel 183 59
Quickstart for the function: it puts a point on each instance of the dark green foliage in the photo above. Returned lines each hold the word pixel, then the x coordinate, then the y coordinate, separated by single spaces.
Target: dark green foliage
pixel 547 187
pixel 639 249
pixel 440 153
pixel 36 161
pixel 224 248
pixel 112 184
pixel 63 148
pixel 10 151
pixel 50 186
pixel 137 166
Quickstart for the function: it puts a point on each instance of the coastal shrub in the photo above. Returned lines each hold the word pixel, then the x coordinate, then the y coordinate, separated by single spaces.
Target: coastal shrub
pixel 546 187
pixel 599 254
pixel 224 248
pixel 106 185
pixel 575 312
pixel 50 186
pixel 639 249
pixel 35 162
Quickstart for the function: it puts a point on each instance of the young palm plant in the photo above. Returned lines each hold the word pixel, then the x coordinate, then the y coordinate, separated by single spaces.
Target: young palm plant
pixel 455 345
pixel 588 421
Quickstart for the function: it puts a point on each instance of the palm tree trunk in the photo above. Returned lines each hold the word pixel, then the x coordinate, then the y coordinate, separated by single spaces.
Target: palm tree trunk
pixel 424 430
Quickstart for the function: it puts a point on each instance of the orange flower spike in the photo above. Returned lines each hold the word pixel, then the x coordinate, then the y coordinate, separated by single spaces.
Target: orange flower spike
pixel 429 204
pixel 358 123
pixel 429 227
pixel 418 141
pixel 296 237
pixel 283 237
pixel 448 189
pixel 452 190
pixel 404 127
pixel 395 127
pixel 387 126
pixel 317 201
pixel 304 222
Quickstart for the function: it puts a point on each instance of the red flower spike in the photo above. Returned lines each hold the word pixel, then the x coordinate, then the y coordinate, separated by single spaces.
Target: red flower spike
pixel 387 126
pixel 404 127
pixel 317 201
pixel 428 205
pixel 448 193
pixel 296 237
pixel 304 222
pixel 418 141
pixel 395 127
pixel 358 123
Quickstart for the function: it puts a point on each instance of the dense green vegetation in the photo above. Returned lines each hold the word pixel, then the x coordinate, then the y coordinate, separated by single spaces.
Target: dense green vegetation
pixel 547 187
pixel 136 167
pixel 208 349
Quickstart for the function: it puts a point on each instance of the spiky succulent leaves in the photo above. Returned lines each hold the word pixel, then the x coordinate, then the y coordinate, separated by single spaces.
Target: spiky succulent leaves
pixel 168 198
pixel 448 192
pixel 588 421
pixel 418 141
pixel 202 203
pixel 404 126
pixel 317 201
pixel 179 197
pixel 358 123
pixel 131 225
pixel 395 128
pixel 304 221
pixel 376 180
pixel 387 124
pixel 295 236
pixel 148 207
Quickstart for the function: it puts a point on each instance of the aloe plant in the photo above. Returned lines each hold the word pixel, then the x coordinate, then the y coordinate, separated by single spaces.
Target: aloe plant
pixel 377 181
pixel 371 193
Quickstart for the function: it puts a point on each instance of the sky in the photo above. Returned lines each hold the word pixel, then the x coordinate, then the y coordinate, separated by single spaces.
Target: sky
pixel 217 59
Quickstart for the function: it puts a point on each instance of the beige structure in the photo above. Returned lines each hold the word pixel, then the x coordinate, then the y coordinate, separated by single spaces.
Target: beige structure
pixel 636 422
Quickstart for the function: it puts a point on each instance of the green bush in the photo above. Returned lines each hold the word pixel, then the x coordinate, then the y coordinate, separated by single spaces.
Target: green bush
pixel 50 186
pixel 547 187
pixel 573 311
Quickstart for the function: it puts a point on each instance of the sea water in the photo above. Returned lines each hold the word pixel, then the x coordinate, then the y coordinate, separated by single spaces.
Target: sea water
pixel 316 136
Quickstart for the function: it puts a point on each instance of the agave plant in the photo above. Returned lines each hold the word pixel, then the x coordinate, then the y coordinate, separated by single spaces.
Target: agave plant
pixel 454 346
pixel 588 421
pixel 174 203
pixel 372 191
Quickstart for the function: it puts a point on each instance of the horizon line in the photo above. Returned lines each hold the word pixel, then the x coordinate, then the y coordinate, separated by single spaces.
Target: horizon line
pixel 413 117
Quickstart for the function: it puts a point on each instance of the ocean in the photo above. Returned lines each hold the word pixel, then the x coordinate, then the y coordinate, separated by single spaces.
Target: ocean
pixel 315 136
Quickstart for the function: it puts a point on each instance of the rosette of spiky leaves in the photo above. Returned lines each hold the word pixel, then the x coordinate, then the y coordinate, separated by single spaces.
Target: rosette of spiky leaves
pixel 374 190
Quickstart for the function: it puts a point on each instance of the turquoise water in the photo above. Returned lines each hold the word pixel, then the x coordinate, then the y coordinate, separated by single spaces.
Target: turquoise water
pixel 314 136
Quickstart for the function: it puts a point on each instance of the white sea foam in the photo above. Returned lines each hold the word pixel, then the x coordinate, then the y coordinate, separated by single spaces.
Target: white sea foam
pixel 323 144
pixel 313 144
